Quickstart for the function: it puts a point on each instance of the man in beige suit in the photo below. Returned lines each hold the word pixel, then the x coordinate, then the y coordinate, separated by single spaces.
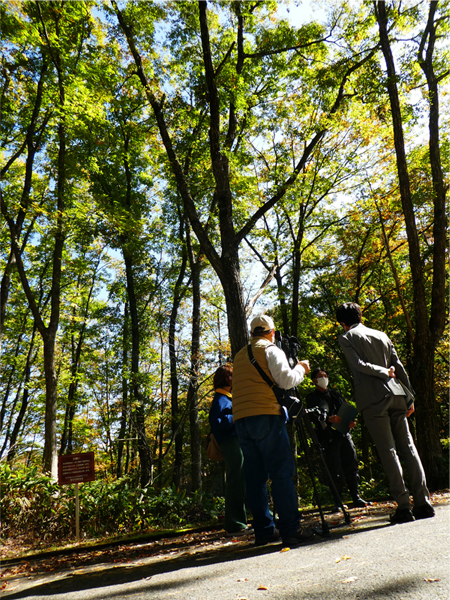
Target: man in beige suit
pixel 382 389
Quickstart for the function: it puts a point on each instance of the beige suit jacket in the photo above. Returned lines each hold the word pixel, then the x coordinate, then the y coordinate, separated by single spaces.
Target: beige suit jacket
pixel 370 353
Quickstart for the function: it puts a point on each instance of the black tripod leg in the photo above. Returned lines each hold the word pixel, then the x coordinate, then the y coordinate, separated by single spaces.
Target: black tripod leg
pixel 325 532
pixel 332 485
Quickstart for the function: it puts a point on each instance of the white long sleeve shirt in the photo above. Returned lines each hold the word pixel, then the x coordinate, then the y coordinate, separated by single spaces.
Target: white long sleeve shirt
pixel 279 368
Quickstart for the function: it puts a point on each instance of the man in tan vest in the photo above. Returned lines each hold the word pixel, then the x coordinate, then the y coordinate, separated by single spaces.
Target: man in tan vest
pixel 261 427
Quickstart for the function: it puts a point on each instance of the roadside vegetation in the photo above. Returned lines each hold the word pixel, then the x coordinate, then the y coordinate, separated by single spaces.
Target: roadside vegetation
pixel 170 169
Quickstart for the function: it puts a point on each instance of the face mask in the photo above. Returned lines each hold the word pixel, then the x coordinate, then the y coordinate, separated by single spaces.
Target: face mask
pixel 322 382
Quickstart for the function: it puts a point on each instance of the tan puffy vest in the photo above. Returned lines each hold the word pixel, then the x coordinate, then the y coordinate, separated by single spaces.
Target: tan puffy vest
pixel 251 394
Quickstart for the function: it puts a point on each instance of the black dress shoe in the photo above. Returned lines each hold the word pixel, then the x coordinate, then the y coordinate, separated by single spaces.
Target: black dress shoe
pixel 240 532
pixel 337 508
pixel 361 503
pixel 268 540
pixel 402 515
pixel 304 534
pixel 425 511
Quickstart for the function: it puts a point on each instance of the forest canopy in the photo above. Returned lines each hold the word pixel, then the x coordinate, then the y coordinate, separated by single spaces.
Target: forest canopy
pixel 171 169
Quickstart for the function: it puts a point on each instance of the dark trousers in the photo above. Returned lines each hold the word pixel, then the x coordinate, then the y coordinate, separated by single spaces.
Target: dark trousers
pixel 341 460
pixel 267 455
pixel 235 513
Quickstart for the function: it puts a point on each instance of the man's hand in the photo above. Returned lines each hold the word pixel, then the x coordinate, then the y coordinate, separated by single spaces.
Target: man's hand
pixel 410 410
pixel 305 365
pixel 392 372
pixel 352 424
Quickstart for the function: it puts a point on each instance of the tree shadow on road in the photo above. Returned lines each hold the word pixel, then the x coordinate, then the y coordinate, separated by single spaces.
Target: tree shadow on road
pixel 133 563
pixel 176 558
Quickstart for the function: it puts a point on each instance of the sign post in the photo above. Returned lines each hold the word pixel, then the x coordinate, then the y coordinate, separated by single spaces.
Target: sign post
pixel 76 468
pixel 77 514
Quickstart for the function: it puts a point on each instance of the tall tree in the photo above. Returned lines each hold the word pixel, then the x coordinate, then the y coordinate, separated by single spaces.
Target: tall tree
pixel 24 124
pixel 238 107
pixel 61 45
pixel 429 322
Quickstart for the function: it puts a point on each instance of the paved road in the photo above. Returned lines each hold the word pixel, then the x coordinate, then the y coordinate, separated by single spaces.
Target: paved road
pixel 372 561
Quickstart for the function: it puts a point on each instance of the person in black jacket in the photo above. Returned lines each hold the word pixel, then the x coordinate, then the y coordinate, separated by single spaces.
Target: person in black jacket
pixel 339 449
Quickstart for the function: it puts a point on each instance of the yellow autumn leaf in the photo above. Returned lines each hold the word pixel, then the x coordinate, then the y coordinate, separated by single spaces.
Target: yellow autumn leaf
pixel 262 587
pixel 343 558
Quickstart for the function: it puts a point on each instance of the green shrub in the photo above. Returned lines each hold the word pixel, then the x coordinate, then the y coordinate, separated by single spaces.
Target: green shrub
pixel 33 505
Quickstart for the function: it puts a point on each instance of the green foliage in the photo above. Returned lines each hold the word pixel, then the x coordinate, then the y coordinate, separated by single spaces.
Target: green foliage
pixel 33 506
pixel 324 235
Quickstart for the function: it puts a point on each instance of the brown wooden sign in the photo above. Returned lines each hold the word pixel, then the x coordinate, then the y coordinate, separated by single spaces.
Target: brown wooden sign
pixel 76 468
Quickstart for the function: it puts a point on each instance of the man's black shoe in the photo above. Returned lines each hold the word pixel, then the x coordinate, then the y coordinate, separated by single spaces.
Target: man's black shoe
pixel 304 534
pixel 337 509
pixel 361 503
pixel 402 515
pixel 425 511
pixel 268 540
pixel 241 532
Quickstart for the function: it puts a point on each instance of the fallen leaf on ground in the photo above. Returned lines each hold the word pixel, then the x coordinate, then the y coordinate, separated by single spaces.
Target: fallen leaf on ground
pixel 262 587
pixel 431 580
pixel 349 580
pixel 343 558
pixel 284 549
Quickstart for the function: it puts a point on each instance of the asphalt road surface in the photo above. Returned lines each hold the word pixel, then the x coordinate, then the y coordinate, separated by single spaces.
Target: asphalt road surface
pixel 369 559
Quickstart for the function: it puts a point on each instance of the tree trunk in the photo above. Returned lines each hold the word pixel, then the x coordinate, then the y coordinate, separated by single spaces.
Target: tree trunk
pixel 282 301
pixel 50 451
pixel 225 264
pixel 139 411
pixel 440 223
pixel 296 273
pixel 192 395
pixel 422 377
pixel 123 416
pixel 177 431
pixel 31 143
pixel 234 298
pixel 26 394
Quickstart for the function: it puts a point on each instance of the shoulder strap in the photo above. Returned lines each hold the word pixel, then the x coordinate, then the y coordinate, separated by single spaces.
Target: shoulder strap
pixel 264 375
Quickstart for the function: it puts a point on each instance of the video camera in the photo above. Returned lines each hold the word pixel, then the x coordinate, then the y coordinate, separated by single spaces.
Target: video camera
pixel 320 413
pixel 290 346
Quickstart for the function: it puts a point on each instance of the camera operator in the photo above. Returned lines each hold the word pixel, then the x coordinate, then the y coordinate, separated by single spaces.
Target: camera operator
pixel 339 449
pixel 261 428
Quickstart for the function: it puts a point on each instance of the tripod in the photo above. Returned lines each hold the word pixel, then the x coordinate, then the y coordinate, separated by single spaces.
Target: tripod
pixel 304 429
